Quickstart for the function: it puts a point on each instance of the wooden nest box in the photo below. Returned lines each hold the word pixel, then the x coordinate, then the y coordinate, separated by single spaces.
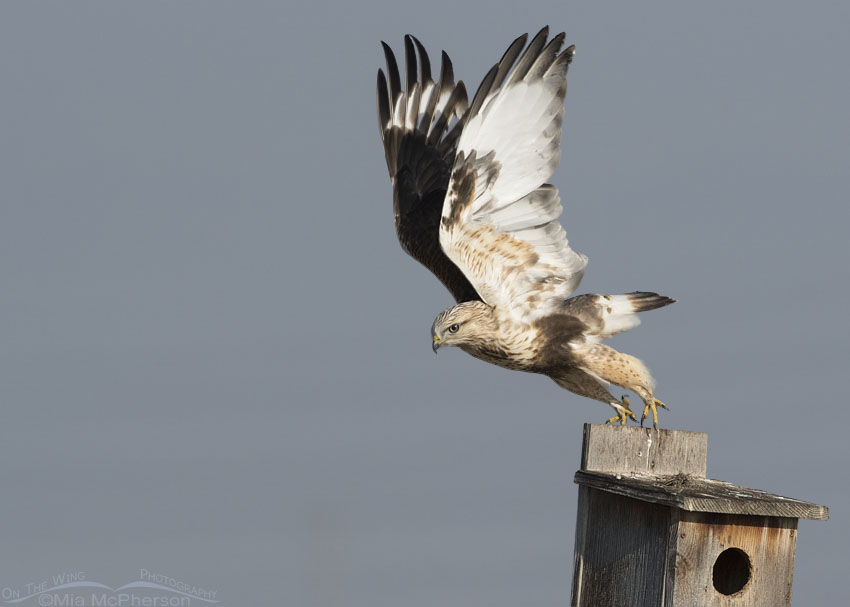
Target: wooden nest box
pixel 653 531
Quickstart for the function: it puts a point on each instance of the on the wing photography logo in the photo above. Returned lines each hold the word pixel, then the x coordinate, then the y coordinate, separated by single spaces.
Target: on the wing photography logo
pixel 76 589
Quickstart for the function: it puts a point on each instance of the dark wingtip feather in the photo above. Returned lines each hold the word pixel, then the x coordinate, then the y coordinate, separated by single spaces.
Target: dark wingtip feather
pixel 447 73
pixel 409 64
pixel 457 96
pixel 392 72
pixel 383 103
pixel 570 52
pixel 460 100
pixel 483 90
pixel 557 41
pixel 424 62
pixel 507 60
pixel 518 41
pixel 526 60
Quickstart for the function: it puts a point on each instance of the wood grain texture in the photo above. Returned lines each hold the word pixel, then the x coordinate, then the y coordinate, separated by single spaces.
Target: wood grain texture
pixel 695 494
pixel 769 543
pixel 629 449
pixel 622 551
pixel 651 530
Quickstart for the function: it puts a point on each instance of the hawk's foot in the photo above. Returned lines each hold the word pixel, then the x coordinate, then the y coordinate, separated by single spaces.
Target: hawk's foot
pixel 624 412
pixel 652 404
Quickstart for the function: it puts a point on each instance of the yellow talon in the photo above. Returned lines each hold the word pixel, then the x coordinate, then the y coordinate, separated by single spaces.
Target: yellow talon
pixel 652 405
pixel 624 414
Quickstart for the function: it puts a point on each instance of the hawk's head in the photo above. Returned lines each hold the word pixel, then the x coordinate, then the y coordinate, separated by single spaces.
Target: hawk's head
pixel 463 324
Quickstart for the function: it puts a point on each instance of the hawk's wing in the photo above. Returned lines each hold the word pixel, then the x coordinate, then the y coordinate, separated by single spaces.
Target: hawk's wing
pixel 420 126
pixel 500 220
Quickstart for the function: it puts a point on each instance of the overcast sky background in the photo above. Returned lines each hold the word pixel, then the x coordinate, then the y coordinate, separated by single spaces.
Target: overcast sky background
pixel 215 360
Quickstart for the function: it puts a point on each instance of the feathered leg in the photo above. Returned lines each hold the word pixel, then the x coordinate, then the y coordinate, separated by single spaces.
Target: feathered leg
pixel 582 383
pixel 627 372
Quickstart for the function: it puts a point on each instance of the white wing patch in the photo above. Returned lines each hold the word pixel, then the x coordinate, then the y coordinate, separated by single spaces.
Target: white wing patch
pixel 540 207
pixel 523 126
pixel 500 220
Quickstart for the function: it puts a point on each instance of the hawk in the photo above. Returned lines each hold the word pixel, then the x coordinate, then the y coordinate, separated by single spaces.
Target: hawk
pixel 472 205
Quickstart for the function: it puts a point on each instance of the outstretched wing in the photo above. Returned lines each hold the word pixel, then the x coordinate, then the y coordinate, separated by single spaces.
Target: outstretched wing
pixel 420 126
pixel 500 220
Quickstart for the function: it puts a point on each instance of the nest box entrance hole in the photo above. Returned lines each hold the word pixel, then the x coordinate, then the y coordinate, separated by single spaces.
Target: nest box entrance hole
pixel 732 571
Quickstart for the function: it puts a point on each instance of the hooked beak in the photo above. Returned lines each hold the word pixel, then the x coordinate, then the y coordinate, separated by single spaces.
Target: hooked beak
pixel 436 344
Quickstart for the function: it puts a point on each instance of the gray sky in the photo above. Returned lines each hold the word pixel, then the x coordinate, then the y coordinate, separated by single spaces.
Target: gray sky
pixel 215 360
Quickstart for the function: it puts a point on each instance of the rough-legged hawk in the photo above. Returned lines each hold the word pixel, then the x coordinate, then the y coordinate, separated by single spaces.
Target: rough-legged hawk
pixel 472 205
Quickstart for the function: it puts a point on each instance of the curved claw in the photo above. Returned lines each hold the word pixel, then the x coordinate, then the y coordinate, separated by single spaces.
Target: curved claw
pixel 652 405
pixel 624 412
pixel 622 418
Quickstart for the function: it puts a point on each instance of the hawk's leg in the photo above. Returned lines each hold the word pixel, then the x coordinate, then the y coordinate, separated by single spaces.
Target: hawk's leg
pixel 627 372
pixel 582 383
pixel 650 404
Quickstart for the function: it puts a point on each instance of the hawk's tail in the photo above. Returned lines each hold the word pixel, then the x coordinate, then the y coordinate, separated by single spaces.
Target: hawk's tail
pixel 612 314
pixel 641 301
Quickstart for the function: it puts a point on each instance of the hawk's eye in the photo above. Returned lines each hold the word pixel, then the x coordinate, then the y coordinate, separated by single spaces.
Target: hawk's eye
pixel 454 328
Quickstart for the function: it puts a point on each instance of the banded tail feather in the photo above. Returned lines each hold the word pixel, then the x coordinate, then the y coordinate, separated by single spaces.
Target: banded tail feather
pixel 642 301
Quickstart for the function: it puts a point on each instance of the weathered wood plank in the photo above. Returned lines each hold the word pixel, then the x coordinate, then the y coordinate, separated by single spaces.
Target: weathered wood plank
pixel 627 449
pixel 701 495
pixel 652 531
pixel 622 547
pixel 766 572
